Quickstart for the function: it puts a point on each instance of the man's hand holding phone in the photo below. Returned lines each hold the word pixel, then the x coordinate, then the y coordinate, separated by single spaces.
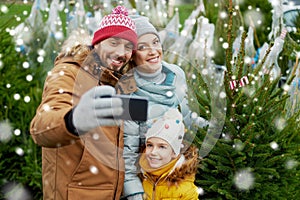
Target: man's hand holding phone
pixel 101 107
pixel 134 108
pixel 93 110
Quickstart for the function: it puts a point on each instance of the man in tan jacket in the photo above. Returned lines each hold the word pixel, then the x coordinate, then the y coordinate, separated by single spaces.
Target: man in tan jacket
pixel 81 145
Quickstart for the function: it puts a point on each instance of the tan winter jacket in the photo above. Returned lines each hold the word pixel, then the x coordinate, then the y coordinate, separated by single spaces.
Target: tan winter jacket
pixel 89 167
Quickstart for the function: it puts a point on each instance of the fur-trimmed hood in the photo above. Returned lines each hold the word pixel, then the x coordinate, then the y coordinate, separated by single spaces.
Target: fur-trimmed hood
pixel 77 45
pixel 174 180
pixel 188 168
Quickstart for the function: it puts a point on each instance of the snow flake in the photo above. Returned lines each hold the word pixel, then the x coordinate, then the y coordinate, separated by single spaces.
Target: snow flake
pixel 41 52
pixel 40 59
pixel 95 136
pixel 274 145
pixel 29 77
pixel 17 96
pixel 17 132
pixel 238 145
pixel 26 99
pixel 286 87
pixel 94 169
pixel 46 107
pixel 280 123
pixel 223 15
pixel 291 164
pixel 222 95
pixel 169 94
pixel 15 191
pixel 247 60
pixel 25 65
pixel 204 71
pixel 19 151
pixel 5 131
pixel 194 115
pixel 244 179
pixel 200 191
pixel 225 45
pixel 4 9
pixel 61 73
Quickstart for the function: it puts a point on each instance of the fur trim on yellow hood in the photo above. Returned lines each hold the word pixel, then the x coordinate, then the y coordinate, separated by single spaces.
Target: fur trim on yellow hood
pixel 185 167
pixel 188 168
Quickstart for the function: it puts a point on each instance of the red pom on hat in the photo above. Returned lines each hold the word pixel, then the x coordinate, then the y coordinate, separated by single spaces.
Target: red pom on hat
pixel 117 24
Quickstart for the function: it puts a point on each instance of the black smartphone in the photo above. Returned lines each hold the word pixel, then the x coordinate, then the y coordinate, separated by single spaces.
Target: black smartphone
pixel 135 108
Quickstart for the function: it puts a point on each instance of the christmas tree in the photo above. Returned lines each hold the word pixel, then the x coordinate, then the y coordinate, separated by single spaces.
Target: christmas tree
pixel 250 150
pixel 20 89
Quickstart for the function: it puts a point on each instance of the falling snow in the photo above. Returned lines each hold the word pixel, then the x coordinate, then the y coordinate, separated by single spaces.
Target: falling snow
pixel 244 179
pixel 15 191
pixel 6 131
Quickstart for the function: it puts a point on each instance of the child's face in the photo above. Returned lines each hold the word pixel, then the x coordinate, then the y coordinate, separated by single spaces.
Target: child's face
pixel 158 152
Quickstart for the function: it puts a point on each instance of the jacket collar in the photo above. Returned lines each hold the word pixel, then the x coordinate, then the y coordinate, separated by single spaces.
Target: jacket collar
pixel 127 83
pixel 184 168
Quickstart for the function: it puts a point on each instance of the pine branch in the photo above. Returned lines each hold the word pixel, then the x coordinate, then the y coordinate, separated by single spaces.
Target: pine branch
pixel 241 56
pixel 228 73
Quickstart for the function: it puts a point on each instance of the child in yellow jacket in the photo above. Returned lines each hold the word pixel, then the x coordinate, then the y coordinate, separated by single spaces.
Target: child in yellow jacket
pixel 167 173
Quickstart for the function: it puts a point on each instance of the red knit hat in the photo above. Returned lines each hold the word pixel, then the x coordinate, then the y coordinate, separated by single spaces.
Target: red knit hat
pixel 117 24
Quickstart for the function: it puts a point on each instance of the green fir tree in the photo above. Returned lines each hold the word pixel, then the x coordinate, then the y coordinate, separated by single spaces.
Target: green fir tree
pixel 250 150
pixel 20 90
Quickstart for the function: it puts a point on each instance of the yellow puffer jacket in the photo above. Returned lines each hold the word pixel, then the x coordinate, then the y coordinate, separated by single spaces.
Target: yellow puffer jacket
pixel 174 180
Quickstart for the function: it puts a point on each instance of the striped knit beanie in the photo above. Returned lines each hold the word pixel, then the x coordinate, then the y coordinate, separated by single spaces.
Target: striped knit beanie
pixel 117 24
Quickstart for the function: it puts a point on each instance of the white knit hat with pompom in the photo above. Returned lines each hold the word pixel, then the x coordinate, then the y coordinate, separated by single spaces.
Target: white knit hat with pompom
pixel 169 128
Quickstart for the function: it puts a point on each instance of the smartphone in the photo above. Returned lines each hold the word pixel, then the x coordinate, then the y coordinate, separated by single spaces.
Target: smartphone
pixel 135 108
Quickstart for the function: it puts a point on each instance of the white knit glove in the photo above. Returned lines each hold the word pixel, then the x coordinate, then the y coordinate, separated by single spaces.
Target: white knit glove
pixel 94 109
pixel 135 197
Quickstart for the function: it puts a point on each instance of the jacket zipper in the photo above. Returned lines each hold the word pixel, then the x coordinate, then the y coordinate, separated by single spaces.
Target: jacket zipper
pixel 154 186
pixel 118 165
pixel 153 191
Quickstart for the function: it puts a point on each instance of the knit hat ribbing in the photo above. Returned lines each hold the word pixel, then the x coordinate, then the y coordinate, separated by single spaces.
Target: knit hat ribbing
pixel 169 128
pixel 117 24
pixel 143 26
